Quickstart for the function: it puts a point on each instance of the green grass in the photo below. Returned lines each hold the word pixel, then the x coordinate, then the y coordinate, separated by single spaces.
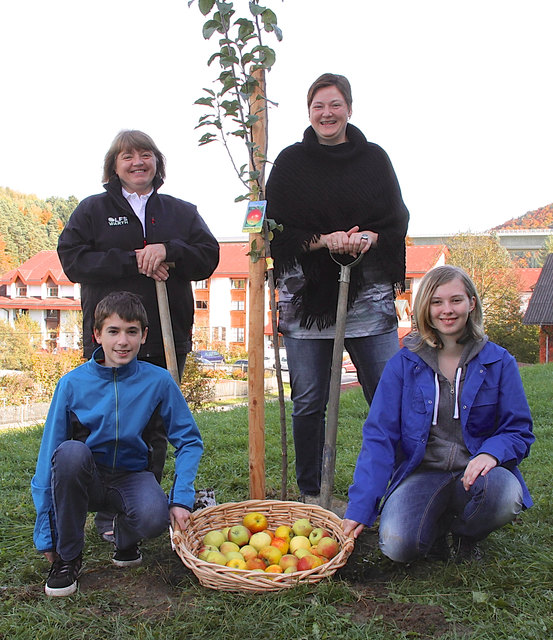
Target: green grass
pixel 507 597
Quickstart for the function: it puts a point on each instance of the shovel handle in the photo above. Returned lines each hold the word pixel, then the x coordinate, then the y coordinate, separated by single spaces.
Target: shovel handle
pixel 167 328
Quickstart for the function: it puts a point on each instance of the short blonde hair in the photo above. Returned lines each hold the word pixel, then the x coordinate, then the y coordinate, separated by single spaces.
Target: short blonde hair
pixel 132 140
pixel 421 311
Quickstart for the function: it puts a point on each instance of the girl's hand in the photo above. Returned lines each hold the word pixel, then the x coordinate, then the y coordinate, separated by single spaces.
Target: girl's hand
pixel 352 528
pixel 478 466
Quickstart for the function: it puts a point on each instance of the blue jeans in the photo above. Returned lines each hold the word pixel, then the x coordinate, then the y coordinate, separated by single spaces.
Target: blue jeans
pixel 429 504
pixel 309 363
pixel 79 486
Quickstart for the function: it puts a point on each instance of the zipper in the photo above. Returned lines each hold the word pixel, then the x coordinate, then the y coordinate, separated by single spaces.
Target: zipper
pixel 116 419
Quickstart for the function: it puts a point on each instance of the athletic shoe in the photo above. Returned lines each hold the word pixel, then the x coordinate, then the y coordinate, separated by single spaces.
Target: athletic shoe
pixel 466 550
pixel 62 579
pixel 130 557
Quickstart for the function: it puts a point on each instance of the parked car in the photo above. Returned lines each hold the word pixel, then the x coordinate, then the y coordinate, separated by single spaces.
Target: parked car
pixel 243 364
pixel 348 366
pixel 209 354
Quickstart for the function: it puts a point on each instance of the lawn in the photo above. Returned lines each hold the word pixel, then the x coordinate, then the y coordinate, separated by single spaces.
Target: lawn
pixel 507 596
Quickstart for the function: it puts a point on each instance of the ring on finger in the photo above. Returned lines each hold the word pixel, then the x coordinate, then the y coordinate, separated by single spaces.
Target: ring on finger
pixel 364 237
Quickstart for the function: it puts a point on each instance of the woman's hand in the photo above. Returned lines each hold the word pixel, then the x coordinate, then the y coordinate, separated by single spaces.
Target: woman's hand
pixel 151 261
pixel 352 528
pixel 478 466
pixel 352 242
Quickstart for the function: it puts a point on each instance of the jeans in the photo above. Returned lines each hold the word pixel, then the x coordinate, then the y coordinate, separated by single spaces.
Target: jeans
pixel 309 363
pixel 79 486
pixel 429 504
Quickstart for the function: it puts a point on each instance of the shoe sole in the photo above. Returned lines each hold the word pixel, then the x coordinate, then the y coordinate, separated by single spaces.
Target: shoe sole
pixel 63 591
pixel 127 563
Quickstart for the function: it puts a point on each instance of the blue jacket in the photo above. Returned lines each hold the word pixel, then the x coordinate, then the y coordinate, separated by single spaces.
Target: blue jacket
pixel 111 410
pixel 494 414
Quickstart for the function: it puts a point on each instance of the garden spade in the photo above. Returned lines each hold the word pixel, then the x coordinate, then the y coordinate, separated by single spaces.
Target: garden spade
pixel 167 329
pixel 329 451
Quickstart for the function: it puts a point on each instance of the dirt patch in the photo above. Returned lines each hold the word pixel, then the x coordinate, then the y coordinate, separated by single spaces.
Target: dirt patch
pixel 160 585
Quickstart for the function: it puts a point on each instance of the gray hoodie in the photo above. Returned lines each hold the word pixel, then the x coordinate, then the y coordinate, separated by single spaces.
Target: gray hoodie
pixel 445 450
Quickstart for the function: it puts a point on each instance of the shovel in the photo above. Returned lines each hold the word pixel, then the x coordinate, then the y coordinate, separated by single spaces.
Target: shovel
pixel 167 328
pixel 329 450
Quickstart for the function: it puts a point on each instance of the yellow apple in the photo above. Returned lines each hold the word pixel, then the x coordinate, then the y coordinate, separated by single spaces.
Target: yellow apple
pixel 273 568
pixel 302 527
pixel 215 538
pixel 237 563
pixel 234 555
pixel 318 533
pixel 299 542
pixel 270 554
pixel 228 546
pixel 260 540
pixel 203 551
pixel 216 557
pixel 302 552
pixel 247 551
pixel 284 531
pixel 239 534
pixel 255 521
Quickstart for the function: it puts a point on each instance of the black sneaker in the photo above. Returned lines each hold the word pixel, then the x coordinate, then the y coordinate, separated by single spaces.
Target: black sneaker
pixel 439 551
pixel 466 550
pixel 130 557
pixel 62 579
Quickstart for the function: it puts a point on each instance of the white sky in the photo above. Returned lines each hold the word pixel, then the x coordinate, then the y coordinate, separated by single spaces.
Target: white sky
pixel 458 92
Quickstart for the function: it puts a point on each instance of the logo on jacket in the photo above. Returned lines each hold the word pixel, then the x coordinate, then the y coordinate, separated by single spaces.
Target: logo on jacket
pixel 116 222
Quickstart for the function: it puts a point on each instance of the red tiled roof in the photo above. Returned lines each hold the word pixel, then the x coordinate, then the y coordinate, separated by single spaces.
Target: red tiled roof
pixel 37 270
pixel 528 278
pixel 422 258
pixel 40 303
pixel 233 260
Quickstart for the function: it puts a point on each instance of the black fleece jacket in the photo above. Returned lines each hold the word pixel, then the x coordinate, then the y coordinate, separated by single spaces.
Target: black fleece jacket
pixel 97 249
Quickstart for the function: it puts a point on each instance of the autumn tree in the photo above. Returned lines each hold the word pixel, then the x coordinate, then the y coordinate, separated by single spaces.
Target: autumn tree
pixel 498 285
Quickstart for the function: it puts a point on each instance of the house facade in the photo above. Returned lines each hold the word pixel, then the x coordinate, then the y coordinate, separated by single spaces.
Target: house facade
pixel 40 289
pixel 540 310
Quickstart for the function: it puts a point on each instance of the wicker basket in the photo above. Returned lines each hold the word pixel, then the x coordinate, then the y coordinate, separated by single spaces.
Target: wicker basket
pixel 187 544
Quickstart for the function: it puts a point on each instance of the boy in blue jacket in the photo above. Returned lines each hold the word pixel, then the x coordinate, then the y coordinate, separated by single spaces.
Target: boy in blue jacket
pixel 95 451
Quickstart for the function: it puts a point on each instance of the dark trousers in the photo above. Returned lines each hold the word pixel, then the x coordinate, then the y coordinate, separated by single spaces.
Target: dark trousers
pixel 79 486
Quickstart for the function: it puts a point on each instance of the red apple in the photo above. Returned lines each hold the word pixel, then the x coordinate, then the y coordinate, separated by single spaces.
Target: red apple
pixel 328 547
pixel 255 563
pixel 309 562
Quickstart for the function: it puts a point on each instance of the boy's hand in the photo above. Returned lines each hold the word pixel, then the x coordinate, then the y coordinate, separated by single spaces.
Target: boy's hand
pixel 50 556
pixel 179 517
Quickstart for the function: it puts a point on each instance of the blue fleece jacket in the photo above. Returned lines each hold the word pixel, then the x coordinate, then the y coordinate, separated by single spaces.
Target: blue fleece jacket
pixel 494 414
pixel 109 409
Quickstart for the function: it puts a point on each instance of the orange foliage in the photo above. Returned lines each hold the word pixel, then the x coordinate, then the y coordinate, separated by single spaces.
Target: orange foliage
pixel 541 218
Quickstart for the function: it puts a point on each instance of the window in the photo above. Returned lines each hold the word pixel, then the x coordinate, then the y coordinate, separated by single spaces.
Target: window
pixel 237 334
pixel 408 284
pixel 218 334
pixel 21 291
pixel 202 284
pixel 237 283
pixel 52 291
pixel 237 305
pixel 201 304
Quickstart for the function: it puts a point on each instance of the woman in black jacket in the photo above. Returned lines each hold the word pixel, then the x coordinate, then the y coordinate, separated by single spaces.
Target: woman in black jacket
pixel 334 192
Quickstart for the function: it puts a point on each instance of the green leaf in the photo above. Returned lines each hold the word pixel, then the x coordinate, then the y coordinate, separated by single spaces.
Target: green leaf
pixel 205 6
pixel 224 8
pixel 278 32
pixel 210 27
pixel 207 138
pixel 266 55
pixel 246 28
pixel 256 9
pixel 479 597
pixel 269 19
pixel 247 58
pixel 239 133
pixel 206 101
pixel 231 107
pixel 212 58
pixel 241 198
pixel 251 120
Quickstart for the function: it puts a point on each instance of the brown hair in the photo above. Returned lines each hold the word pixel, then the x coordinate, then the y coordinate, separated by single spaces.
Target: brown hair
pixel 132 140
pixel 125 304
pixel 421 311
pixel 331 80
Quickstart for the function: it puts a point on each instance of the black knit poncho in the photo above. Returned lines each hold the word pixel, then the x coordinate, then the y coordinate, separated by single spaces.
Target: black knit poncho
pixel 315 189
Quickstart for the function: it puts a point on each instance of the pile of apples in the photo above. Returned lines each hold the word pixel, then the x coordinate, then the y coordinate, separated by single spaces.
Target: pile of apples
pixel 252 546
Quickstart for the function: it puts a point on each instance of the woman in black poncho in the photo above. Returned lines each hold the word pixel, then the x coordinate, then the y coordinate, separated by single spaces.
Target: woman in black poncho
pixel 334 192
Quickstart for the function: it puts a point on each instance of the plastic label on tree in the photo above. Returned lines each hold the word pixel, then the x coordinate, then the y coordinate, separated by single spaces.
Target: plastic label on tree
pixel 255 214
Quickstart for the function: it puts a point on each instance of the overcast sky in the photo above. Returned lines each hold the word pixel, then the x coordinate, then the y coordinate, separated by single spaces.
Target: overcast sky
pixel 458 93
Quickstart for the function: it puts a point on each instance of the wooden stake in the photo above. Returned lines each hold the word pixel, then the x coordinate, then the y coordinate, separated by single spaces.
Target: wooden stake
pixel 256 368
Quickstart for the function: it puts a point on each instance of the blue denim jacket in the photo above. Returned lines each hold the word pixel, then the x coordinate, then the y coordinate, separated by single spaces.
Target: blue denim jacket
pixel 494 414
